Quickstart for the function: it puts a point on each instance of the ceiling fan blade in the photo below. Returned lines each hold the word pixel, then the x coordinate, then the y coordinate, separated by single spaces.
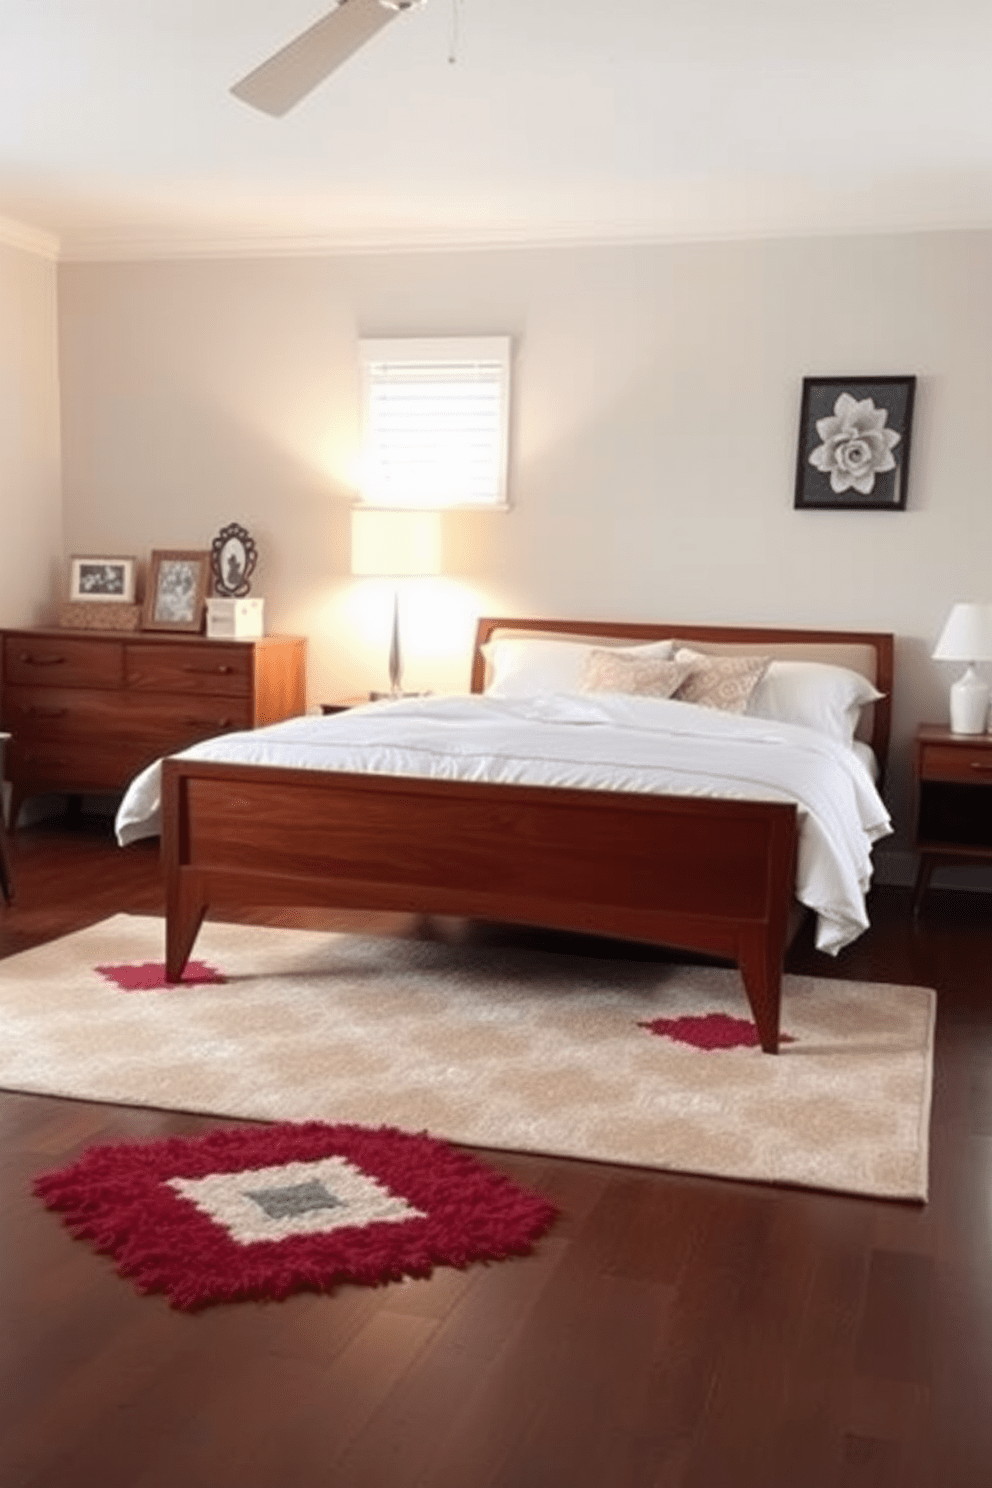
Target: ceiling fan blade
pixel 295 70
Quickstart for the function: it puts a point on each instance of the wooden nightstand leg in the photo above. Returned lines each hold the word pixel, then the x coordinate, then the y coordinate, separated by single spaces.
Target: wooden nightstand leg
pixel 928 862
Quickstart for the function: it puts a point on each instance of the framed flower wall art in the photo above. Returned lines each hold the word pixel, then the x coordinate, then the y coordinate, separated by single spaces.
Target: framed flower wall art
pixel 854 435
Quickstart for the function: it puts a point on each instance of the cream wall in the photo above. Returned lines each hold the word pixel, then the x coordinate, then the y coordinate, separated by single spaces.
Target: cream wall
pixel 656 402
pixel 31 540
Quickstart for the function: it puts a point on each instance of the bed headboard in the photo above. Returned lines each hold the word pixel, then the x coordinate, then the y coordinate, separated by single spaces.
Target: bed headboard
pixel 868 652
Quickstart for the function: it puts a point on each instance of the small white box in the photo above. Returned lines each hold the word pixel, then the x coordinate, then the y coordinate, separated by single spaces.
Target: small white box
pixel 235 619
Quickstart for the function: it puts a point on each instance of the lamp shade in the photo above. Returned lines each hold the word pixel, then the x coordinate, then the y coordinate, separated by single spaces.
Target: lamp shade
pixel 967 635
pixel 395 543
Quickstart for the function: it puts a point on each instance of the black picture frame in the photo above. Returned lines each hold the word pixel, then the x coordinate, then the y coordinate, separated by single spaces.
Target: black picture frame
pixel 867 470
pixel 103 580
pixel 233 555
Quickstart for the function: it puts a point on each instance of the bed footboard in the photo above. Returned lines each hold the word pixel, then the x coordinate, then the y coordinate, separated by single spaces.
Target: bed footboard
pixel 712 876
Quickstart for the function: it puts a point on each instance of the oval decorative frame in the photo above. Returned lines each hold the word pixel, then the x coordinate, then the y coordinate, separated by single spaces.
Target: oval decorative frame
pixel 233 555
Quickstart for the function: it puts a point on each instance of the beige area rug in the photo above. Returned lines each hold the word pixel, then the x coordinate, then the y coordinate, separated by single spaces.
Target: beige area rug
pixel 492 1047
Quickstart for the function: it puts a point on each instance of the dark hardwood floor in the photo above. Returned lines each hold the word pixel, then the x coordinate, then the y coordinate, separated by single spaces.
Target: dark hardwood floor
pixel 670 1331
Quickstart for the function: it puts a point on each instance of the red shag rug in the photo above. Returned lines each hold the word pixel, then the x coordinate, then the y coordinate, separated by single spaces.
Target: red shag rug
pixel 245 1213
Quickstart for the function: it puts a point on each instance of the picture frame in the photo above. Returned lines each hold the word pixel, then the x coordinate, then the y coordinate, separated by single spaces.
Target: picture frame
pixel 176 591
pixel 102 579
pixel 233 555
pixel 854 443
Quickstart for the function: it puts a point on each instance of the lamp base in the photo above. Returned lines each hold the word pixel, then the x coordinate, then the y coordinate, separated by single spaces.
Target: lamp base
pixel 969 704
pixel 395 653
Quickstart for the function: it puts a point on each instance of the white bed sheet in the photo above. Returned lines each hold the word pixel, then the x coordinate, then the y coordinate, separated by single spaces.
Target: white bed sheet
pixel 602 742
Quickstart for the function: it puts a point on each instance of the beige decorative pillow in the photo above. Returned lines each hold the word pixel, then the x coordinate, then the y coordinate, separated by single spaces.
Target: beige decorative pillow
pixel 614 671
pixel 724 682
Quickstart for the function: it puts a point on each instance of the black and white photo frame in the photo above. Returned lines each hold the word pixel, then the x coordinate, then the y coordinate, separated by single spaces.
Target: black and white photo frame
pixel 102 579
pixel 175 595
pixel 854 441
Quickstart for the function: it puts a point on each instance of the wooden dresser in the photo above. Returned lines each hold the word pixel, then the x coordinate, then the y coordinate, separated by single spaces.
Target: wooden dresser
pixel 87 710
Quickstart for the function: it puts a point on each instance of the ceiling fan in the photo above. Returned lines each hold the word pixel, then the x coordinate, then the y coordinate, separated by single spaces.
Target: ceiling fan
pixel 297 68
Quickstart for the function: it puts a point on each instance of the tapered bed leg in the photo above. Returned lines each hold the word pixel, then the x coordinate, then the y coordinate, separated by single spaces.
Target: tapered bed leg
pixel 762 976
pixel 183 918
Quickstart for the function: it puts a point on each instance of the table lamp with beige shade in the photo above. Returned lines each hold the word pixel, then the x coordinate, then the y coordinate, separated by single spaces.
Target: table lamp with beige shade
pixel 395 544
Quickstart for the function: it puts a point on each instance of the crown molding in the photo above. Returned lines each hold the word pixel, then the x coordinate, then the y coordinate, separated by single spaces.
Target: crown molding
pixel 28 239
pixel 127 249
pixel 311 245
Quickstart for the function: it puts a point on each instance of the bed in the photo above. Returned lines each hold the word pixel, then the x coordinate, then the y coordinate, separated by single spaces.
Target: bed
pixel 693 869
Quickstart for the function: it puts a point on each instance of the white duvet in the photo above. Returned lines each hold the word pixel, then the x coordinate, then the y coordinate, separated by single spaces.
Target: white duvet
pixel 601 742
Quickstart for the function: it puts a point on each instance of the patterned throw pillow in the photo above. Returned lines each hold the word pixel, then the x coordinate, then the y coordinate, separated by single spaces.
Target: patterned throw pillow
pixel 724 682
pixel 613 671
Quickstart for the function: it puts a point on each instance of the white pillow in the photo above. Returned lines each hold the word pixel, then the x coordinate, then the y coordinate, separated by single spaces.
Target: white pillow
pixel 528 666
pixel 814 694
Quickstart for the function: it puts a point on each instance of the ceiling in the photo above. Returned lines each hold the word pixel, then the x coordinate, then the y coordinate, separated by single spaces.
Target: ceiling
pixel 558 121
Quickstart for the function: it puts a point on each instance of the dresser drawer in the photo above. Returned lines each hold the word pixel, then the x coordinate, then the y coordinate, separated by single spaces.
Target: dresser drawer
pixel 32 713
pixel 172 721
pixel 164 721
pixel 201 668
pixel 74 765
pixel 51 661
pixel 965 762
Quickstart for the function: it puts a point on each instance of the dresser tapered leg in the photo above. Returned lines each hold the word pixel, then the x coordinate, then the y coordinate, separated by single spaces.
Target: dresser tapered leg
pixel 17 799
pixel 6 877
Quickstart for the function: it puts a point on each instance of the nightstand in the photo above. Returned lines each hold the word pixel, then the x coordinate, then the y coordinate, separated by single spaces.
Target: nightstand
pixel 953 774
pixel 342 705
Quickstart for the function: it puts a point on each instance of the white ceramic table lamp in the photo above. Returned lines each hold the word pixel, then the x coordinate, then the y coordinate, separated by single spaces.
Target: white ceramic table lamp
pixel 395 544
pixel 967 636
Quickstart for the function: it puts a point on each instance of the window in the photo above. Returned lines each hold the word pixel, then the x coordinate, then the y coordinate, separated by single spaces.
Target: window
pixel 435 420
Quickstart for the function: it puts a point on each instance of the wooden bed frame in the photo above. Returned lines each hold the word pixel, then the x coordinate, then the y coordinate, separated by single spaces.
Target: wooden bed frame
pixel 702 875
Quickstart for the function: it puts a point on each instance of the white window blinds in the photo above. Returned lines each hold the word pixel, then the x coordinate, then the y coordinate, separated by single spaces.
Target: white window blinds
pixel 435 420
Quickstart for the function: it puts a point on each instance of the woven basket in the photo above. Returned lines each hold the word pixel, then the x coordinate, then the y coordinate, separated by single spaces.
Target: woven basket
pixel 95 614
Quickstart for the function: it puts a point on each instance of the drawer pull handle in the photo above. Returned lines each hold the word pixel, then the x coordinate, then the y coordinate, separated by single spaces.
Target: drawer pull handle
pixel 33 711
pixel 209 671
pixel 982 766
pixel 207 722
pixel 41 660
